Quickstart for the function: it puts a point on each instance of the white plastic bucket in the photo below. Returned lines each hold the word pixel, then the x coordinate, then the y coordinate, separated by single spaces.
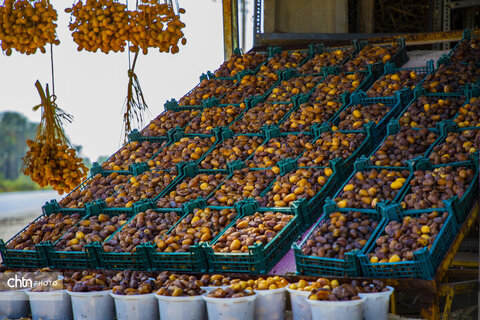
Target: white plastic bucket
pixel 14 304
pixel 270 304
pixel 95 305
pixel 52 305
pixel 139 306
pixel 231 308
pixel 338 310
pixel 181 308
pixel 300 308
pixel 376 305
pixel 213 288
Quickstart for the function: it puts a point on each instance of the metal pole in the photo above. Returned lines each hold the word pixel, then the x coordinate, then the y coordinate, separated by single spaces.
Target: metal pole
pixel 244 21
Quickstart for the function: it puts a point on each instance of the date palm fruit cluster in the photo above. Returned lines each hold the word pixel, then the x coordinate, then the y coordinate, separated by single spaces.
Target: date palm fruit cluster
pixel 54 164
pixel 49 160
pixel 27 25
pixel 108 25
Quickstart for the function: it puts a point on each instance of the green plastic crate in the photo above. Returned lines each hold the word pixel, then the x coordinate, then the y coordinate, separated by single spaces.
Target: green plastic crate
pixel 461 207
pixel 365 148
pixel 390 68
pixel 364 164
pixel 398 102
pixel 192 261
pixel 466 36
pixel 425 261
pixel 37 258
pixel 370 75
pixel 393 128
pixel 136 260
pixel 398 59
pixel 318 266
pixel 260 259
pixel 319 48
pixel 450 127
pixel 309 208
pixel 86 259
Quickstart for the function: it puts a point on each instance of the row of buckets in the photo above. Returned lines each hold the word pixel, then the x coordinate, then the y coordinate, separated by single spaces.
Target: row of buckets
pixel 262 305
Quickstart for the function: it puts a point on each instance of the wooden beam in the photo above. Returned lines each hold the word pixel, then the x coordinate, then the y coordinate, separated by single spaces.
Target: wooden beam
pixel 366 16
pixel 230 26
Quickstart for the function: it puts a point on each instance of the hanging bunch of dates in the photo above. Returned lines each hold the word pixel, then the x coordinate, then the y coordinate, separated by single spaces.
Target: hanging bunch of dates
pixel 27 26
pixel 108 25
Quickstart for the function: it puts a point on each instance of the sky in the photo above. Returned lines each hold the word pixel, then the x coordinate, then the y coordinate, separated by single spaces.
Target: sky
pixel 92 86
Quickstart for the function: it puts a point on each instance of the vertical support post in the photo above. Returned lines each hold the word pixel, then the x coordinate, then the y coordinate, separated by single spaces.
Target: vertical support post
pixel 366 16
pixel 257 21
pixel 230 26
pixel 447 10
pixel 243 9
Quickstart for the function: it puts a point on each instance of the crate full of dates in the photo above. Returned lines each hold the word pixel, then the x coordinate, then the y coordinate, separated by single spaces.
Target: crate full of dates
pixel 255 242
pixel 451 76
pixel 376 55
pixel 456 146
pixel 467 49
pixel 412 244
pixel 395 79
pixel 369 185
pixel 330 247
pixel 328 145
pixel 321 57
pixel 125 249
pixel 430 186
pixel 23 250
pixel 468 115
pixel 362 110
pixel 403 144
pixel 74 249
pixel 180 249
pixel 303 187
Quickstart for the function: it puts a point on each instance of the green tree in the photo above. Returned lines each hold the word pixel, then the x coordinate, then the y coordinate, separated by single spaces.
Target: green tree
pixel 14 130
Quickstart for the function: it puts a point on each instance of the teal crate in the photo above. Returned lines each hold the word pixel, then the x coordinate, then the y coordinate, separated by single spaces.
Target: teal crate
pixel 398 102
pixel 425 261
pixel 452 128
pixel 271 132
pixel 135 135
pixel 365 148
pixel 418 92
pixel 209 132
pixel 136 260
pixel 260 259
pixel 226 135
pixel 398 59
pixel 363 164
pixel 318 266
pixel 237 53
pixel 234 166
pixel 290 74
pixel 319 48
pixel 466 37
pixel 37 258
pixel 86 259
pixel 189 170
pixel 461 207
pixel 309 208
pixel 390 68
pixel 370 75
pixel 192 261
pixel 393 128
